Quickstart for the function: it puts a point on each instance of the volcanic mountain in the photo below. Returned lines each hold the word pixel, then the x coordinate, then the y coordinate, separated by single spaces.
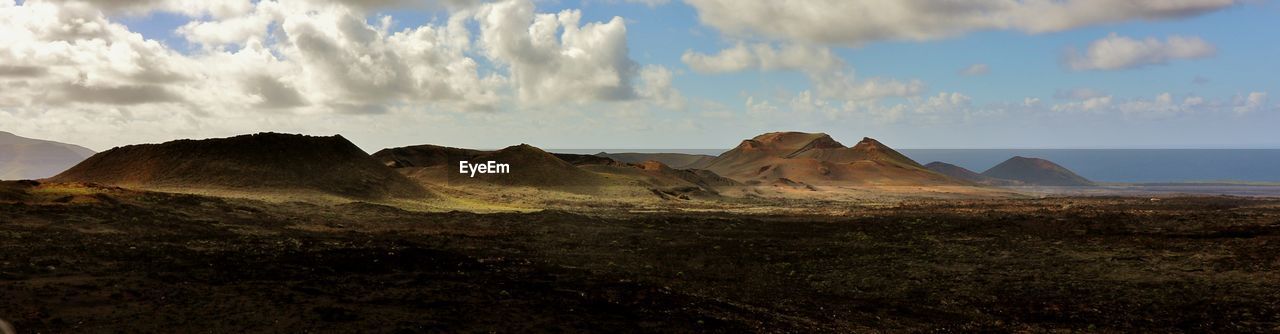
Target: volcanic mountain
pixel 817 159
pixel 961 173
pixel 265 162
pixel 25 158
pixel 1036 171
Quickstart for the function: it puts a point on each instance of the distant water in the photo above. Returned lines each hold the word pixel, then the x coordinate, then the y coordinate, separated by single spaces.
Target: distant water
pixel 1104 165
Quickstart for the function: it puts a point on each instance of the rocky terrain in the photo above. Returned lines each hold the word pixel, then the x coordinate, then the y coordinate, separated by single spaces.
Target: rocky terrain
pixel 102 259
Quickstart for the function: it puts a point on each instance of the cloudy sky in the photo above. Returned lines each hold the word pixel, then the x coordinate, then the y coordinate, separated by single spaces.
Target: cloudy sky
pixel 646 73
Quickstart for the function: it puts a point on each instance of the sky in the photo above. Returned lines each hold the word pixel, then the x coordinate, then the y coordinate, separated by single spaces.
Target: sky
pixel 646 74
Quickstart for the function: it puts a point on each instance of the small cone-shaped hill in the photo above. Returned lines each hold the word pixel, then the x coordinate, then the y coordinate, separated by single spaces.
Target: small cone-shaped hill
pixel 1035 171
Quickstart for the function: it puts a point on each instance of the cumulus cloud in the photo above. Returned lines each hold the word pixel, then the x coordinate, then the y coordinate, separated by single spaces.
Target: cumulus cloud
pixel 1255 101
pixel 858 22
pixel 1116 52
pixel 552 58
pixel 655 85
pixel 266 64
pixel 975 70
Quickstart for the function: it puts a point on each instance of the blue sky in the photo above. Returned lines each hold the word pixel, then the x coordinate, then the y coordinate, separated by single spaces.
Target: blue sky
pixel 1202 77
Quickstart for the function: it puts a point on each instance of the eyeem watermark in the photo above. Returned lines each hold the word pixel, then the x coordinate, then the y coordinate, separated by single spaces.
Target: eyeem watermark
pixel 488 167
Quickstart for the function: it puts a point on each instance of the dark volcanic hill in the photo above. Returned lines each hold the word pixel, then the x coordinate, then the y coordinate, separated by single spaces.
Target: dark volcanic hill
pixel 817 159
pixel 530 166
pixel 674 160
pixel 961 173
pixel 1034 171
pixel 260 162
pixel 424 156
pixel 25 158
pixel 588 159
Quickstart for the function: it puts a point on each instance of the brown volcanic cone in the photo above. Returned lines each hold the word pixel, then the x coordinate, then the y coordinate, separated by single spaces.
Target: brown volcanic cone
pixel 1036 171
pixel 817 159
pixel 961 173
pixel 260 162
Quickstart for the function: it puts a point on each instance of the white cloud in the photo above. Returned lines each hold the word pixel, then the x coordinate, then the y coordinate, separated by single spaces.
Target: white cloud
pixel 842 85
pixel 301 64
pixel 1255 101
pixel 934 109
pixel 765 57
pixel 552 59
pixel 1031 102
pixel 857 22
pixel 1116 52
pixel 655 85
pixel 975 70
pixel 1088 104
pixel 1165 105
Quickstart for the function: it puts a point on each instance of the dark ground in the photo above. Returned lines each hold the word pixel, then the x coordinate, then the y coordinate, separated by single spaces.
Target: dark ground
pixel 136 262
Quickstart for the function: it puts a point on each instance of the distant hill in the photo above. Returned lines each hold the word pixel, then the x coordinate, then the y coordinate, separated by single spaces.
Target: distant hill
pixel 530 166
pixel 587 159
pixel 1034 171
pixel 25 158
pixel 424 156
pixel 817 159
pixel 961 173
pixel 674 160
pixel 261 162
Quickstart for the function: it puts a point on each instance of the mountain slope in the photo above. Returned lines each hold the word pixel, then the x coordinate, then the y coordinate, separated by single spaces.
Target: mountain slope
pixel 266 162
pixel 26 158
pixel 961 173
pixel 1035 171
